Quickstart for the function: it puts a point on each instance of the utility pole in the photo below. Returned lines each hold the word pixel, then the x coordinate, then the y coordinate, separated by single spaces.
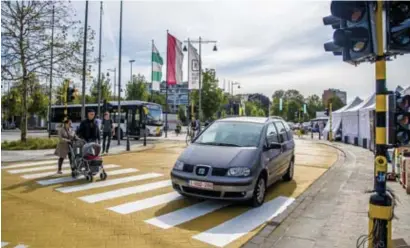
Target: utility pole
pixel 99 63
pixel 119 80
pixel 51 76
pixel 128 136
pixel 84 60
pixel 200 42
pixel 115 81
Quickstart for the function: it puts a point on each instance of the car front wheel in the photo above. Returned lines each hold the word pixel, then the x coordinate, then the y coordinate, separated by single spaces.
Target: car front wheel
pixel 289 173
pixel 259 192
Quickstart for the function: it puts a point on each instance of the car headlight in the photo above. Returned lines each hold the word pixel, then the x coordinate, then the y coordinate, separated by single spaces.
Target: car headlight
pixel 178 165
pixel 239 172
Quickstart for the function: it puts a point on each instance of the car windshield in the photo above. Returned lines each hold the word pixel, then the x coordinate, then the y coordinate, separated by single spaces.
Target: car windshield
pixel 237 134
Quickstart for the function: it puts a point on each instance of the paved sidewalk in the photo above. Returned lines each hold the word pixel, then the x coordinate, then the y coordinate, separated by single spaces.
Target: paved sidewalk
pixel 333 211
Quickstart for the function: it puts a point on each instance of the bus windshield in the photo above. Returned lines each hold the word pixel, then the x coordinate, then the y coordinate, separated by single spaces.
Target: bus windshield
pixel 154 113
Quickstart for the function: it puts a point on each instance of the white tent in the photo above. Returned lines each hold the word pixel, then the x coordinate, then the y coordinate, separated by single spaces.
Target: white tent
pixel 351 121
pixel 366 136
pixel 337 118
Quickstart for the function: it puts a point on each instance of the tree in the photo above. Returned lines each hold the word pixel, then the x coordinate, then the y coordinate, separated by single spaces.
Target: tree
pixel 181 114
pixel 314 104
pixel 26 44
pixel 13 102
pixel 137 89
pixel 105 89
pixel 212 95
pixel 336 103
pixel 38 99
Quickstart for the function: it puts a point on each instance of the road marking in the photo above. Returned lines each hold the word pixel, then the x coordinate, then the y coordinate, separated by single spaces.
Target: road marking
pixel 100 184
pixel 125 191
pixel 235 228
pixel 28 164
pixel 51 173
pixel 136 206
pixel 21 246
pixel 70 179
pixel 42 168
pixel 4 244
pixel 175 218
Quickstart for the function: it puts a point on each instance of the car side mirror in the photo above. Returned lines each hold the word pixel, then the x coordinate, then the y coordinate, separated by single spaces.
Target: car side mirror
pixel 272 145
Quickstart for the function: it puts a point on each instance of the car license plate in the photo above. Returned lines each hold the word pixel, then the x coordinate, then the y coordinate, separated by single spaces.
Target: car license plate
pixel 202 185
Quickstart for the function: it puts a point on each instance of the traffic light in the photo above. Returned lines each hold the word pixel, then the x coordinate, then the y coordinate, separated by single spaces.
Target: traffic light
pixel 352 37
pixel 71 94
pixel 399 119
pixel 398 27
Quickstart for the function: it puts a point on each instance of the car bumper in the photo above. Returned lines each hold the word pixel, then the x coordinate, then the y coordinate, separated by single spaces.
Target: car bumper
pixel 236 189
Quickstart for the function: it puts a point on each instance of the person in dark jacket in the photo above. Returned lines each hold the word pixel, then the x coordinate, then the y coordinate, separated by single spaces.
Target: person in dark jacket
pixel 108 131
pixel 89 130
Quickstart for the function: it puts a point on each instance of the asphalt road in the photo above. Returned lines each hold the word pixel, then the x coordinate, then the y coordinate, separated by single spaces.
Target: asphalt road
pixel 136 206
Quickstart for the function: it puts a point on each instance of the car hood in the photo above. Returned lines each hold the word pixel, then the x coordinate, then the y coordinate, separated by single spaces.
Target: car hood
pixel 219 156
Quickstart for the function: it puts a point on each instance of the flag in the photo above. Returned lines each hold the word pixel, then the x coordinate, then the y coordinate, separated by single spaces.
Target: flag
pixel 156 74
pixel 193 67
pixel 175 57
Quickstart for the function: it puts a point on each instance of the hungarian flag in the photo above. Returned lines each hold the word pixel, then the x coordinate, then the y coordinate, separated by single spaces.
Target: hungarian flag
pixel 175 56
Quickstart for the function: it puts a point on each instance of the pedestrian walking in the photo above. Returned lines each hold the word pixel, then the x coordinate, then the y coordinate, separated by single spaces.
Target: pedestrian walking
pixel 108 131
pixel 66 135
pixel 89 130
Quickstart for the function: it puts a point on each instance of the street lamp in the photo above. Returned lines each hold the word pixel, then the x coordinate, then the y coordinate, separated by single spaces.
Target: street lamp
pixel 128 125
pixel 200 42
pixel 235 83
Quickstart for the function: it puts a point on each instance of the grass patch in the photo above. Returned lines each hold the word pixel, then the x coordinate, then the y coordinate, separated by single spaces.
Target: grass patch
pixel 30 144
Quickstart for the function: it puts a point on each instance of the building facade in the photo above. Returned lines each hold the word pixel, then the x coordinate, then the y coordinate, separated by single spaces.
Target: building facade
pixel 327 94
pixel 177 95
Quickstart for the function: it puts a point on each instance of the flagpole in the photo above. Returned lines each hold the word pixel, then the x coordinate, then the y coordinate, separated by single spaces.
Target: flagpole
pixel 152 69
pixel 166 93
pixel 189 98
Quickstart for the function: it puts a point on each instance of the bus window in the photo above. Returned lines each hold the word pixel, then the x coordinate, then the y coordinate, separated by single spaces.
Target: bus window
pixel 154 113
pixel 115 117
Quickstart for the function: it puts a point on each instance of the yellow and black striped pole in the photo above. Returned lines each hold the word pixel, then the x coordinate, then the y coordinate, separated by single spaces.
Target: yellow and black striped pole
pixel 380 204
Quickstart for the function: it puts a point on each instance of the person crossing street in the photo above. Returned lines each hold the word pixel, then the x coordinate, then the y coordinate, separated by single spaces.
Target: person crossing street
pixel 89 130
pixel 108 131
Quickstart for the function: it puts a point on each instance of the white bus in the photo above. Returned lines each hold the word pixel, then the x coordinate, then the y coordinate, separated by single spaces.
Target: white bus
pixel 131 117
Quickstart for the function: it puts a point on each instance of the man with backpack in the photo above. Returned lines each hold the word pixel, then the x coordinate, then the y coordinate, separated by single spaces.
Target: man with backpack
pixel 108 131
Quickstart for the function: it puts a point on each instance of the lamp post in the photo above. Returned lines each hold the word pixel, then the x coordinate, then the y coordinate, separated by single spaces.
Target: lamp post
pixel 115 80
pixel 83 117
pixel 200 41
pixel 119 77
pixel 128 137
pixel 99 63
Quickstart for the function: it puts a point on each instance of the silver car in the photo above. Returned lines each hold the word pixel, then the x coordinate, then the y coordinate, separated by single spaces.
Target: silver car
pixel 236 159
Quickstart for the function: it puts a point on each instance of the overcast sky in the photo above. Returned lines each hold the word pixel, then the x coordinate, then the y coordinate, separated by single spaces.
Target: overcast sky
pixel 264 45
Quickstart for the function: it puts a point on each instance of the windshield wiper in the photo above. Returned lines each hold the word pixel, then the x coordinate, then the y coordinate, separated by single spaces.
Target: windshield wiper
pixel 219 144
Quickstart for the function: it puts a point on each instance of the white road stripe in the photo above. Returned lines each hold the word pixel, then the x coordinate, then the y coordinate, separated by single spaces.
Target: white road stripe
pixel 29 164
pixel 21 246
pixel 4 244
pixel 178 217
pixel 136 206
pixel 80 177
pixel 125 191
pixel 235 228
pixel 42 168
pixel 107 183
pixel 51 173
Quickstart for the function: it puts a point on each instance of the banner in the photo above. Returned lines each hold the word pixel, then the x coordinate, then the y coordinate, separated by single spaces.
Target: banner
pixel 193 68
pixel 175 57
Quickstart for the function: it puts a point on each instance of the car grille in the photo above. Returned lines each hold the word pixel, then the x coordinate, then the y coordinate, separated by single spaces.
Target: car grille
pixel 201 170
pixel 188 168
pixel 219 172
pixel 203 192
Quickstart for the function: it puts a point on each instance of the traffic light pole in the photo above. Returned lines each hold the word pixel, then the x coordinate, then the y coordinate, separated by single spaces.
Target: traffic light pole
pixel 65 97
pixel 380 204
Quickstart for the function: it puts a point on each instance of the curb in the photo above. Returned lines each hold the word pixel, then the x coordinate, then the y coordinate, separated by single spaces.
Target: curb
pixel 303 199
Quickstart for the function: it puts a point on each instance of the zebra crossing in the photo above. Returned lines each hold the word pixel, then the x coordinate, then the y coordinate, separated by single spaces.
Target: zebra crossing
pixel 6 244
pixel 43 173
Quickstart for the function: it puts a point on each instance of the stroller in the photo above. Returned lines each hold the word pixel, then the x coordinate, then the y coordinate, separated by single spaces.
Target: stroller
pixel 85 160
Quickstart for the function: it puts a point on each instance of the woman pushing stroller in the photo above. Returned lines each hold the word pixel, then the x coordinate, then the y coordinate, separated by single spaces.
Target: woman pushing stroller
pixel 66 135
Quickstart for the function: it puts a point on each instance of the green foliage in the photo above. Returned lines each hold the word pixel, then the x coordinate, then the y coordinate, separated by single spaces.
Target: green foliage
pixel 254 109
pixel 30 144
pixel 137 89
pixel 12 102
pixel 336 103
pixel 181 114
pixel 314 104
pixel 212 95
pixel 105 89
